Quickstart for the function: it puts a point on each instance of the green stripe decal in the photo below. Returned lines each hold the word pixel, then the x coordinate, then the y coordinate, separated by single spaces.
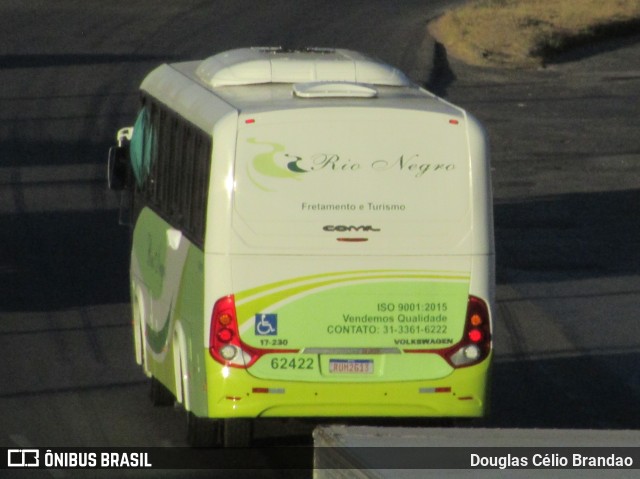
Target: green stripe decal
pixel 265 296
pixel 439 275
pixel 157 340
pixel 357 309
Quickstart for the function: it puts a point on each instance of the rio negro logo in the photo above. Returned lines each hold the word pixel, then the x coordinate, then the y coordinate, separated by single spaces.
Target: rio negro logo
pixel 265 165
pixel 322 161
pixel 411 164
pixel 277 164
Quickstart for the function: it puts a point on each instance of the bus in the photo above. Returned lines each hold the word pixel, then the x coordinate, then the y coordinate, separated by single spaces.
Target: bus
pixel 311 238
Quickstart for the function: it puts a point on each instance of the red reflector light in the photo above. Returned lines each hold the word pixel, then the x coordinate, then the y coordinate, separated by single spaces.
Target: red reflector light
pixel 475 335
pixel 268 390
pixel 249 121
pixel 225 335
pixel 454 122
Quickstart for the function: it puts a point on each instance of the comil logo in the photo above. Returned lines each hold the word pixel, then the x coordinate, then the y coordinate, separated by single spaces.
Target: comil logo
pixel 23 458
pixel 344 228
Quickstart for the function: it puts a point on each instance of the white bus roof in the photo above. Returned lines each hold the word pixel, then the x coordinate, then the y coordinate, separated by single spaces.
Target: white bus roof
pixel 248 66
pixel 269 79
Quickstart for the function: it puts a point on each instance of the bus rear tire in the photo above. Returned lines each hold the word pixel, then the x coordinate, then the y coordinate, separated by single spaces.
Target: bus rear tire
pixel 237 432
pixel 202 432
pixel 159 394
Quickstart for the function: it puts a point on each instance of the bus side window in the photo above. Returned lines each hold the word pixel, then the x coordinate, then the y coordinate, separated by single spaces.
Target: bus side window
pixel 186 177
pixel 203 146
pixel 170 161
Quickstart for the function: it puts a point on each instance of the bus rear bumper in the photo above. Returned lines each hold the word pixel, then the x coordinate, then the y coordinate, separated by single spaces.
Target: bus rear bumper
pixel 463 393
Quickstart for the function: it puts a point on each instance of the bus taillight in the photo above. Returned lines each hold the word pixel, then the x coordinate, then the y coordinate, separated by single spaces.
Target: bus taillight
pixel 476 340
pixel 225 345
pixel 475 344
pixel 224 340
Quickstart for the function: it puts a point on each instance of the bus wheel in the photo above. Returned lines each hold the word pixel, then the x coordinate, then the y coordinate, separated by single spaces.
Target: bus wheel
pixel 159 394
pixel 202 432
pixel 237 432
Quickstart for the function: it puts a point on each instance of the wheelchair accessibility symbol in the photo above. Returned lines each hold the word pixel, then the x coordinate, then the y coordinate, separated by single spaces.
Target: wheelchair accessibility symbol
pixel 266 324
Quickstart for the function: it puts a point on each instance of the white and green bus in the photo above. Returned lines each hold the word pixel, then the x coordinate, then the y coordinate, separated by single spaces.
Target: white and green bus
pixel 312 237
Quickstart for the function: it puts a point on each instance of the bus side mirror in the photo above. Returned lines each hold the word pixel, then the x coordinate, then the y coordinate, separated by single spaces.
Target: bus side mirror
pixel 118 167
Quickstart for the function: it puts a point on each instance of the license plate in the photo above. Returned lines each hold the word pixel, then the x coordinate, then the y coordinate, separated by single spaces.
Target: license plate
pixel 351 366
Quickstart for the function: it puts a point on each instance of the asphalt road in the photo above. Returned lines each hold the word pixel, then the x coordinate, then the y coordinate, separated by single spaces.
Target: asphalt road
pixel 566 158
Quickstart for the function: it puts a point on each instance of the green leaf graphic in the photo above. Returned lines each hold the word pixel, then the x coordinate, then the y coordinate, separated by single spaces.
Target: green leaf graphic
pixel 265 164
